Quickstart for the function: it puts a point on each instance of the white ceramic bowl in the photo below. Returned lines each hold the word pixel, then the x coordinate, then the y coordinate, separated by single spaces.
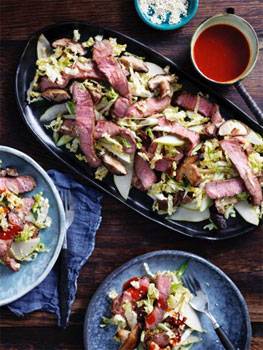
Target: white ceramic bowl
pixel 244 27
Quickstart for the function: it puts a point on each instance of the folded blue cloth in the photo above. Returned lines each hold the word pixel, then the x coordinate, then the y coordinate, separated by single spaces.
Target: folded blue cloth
pixel 80 244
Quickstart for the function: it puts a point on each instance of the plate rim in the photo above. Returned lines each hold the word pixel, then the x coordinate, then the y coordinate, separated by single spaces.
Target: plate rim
pixel 208 235
pixel 61 233
pixel 174 253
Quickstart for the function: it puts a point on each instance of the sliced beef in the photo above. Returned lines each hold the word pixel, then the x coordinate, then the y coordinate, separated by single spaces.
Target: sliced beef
pixel 79 70
pixel 155 317
pixel 56 95
pixel 109 128
pixel 28 203
pixel 15 220
pixel 108 65
pixel 192 137
pixel 147 107
pixel 69 43
pixel 161 339
pixel 10 262
pixel 224 188
pixel 19 184
pixel 95 95
pixel 234 151
pixel 162 84
pixel 4 246
pixel 12 172
pixel 163 284
pixel 165 164
pixel 144 173
pixel 45 83
pixel 202 105
pixel 120 107
pixel 216 116
pixel 135 63
pixel 6 257
pixel 85 70
pixel 117 303
pixel 85 123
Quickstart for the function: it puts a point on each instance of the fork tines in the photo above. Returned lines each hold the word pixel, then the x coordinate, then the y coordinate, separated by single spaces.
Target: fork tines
pixel 191 283
pixel 66 198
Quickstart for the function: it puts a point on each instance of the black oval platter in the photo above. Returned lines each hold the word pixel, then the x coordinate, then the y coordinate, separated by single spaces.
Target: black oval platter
pixel 137 200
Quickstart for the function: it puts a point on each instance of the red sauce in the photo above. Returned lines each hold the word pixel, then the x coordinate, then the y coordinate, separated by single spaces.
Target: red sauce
pixel 162 303
pixel 127 284
pixel 150 319
pixel 221 52
pixel 10 233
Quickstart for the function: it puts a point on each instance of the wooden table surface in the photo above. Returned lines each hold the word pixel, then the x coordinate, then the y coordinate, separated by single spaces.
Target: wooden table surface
pixel 123 233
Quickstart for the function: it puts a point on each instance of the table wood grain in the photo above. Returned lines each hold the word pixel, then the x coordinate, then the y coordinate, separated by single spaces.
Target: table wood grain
pixel 123 233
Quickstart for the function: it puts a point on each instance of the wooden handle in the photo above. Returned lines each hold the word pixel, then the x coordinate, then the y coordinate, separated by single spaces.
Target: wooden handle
pixel 226 342
pixel 63 288
pixel 250 102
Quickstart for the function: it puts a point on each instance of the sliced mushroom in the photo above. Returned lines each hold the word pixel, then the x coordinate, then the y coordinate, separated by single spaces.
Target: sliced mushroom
pixel 56 95
pixel 233 127
pixel 223 203
pixel 162 82
pixel 123 335
pixel 12 172
pixel 135 63
pixel 132 341
pixel 189 170
pixel 154 69
pixel 114 165
pixel 69 128
pixel 193 175
pixel 210 130
pixel 72 45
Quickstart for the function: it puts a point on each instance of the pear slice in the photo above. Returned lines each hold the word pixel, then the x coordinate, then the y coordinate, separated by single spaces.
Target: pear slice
pixel 183 214
pixel 248 212
pixel 192 320
pixel 169 140
pixel 21 250
pixel 123 183
pixel 233 127
pixel 43 47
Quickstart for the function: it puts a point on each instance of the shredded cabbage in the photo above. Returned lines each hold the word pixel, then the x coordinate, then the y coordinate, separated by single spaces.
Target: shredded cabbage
pixel 101 173
pixel 27 233
pixel 117 48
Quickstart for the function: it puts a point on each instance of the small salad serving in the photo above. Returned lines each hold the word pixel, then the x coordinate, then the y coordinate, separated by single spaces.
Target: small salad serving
pixel 131 118
pixel 152 312
pixel 21 219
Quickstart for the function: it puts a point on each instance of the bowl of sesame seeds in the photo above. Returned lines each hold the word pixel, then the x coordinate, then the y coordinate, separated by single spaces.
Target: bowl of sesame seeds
pixel 166 14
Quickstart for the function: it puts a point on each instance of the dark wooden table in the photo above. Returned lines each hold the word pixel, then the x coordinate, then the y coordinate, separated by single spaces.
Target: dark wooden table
pixel 123 233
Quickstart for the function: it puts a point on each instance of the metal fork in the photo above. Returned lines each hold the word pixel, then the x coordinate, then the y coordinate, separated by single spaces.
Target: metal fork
pixel 63 276
pixel 200 303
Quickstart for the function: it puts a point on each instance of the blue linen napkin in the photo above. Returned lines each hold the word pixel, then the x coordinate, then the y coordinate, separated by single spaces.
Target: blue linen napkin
pixel 80 244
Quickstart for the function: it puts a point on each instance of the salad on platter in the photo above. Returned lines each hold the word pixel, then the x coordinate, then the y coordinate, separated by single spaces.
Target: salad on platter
pixel 131 119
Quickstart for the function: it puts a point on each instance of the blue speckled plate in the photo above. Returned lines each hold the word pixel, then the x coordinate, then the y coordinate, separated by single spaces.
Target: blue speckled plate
pixel 14 285
pixel 226 302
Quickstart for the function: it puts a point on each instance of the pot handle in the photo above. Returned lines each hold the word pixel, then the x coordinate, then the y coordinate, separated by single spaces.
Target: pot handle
pixel 252 105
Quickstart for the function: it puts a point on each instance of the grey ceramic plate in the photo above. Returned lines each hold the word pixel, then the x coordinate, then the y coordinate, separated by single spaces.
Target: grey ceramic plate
pixel 226 302
pixel 14 285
